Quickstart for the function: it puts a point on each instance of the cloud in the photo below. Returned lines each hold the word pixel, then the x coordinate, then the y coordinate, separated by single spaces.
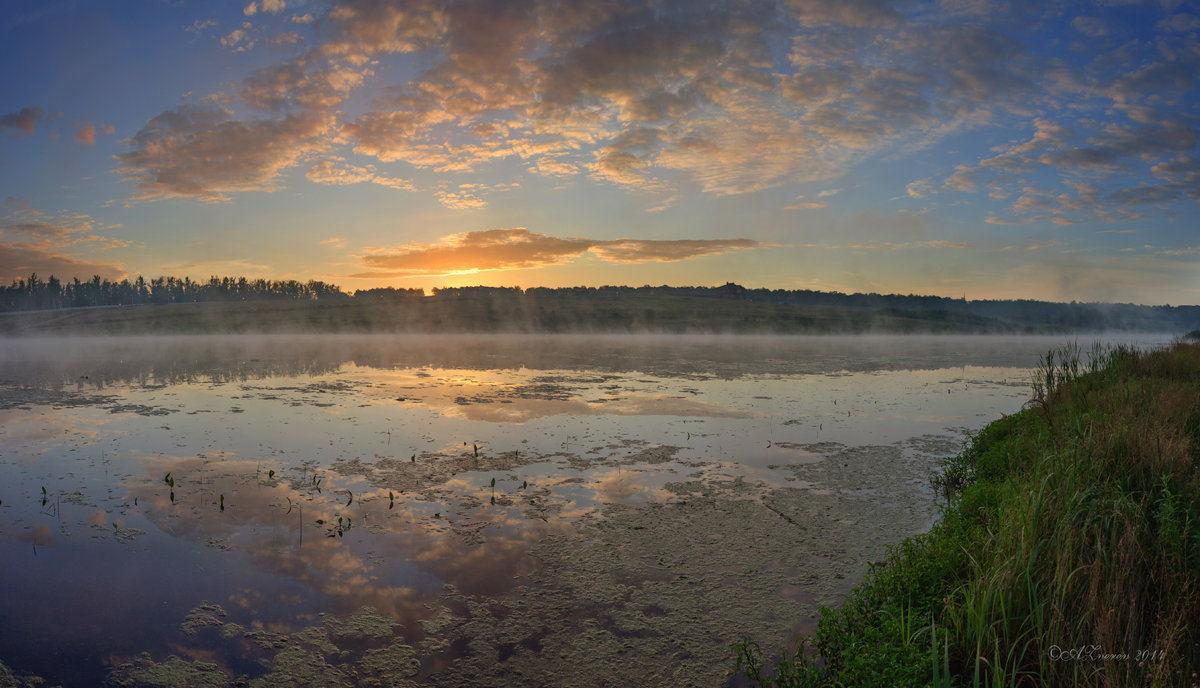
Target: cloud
pixel 1180 22
pixel 200 25
pixel 461 200
pixel 24 120
pixel 288 38
pixel 1037 245
pixel 47 243
pixel 301 83
pixel 667 251
pixel 370 26
pixel 330 172
pixel 1092 27
pixel 335 171
pixel 201 151
pixel 1097 169
pixel 18 261
pixel 496 249
pixel 239 39
pixel 849 13
pixel 890 245
pixel 654 99
pixel 268 6
pixel 39 227
pixel 964 179
pixel 1178 252
pixel 919 188
pixel 517 249
pixel 86 135
pixel 727 98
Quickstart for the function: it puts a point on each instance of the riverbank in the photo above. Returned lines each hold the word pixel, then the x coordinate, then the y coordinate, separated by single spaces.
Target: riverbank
pixel 1068 552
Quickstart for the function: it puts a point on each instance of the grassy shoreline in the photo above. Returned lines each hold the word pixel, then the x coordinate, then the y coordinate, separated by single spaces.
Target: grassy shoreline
pixel 1068 552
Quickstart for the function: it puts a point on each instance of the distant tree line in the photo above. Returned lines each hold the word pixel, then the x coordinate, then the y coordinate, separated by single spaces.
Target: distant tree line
pixel 37 294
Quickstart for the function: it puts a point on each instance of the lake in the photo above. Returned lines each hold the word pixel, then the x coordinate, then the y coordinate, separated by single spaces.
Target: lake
pixel 449 510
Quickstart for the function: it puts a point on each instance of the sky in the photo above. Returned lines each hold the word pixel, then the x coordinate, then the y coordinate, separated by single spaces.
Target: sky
pixel 986 149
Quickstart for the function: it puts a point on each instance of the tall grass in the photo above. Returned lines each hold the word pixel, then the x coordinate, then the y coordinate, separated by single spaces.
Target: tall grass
pixel 1068 553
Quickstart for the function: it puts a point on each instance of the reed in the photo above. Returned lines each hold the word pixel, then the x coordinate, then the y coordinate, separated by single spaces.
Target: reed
pixel 1068 552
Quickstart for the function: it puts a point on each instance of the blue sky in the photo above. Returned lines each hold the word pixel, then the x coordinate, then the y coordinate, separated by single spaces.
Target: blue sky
pixel 1040 150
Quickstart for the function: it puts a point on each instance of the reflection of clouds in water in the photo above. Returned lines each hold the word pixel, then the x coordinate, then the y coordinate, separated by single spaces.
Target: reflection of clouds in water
pixel 510 410
pixel 218 359
pixel 421 553
pixel 42 428
pixel 625 486
pixel 519 410
pixel 39 535
pixel 669 405
pixel 506 396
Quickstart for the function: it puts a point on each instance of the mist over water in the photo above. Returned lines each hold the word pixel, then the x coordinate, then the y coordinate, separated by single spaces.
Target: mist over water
pixel 26 360
pixel 465 470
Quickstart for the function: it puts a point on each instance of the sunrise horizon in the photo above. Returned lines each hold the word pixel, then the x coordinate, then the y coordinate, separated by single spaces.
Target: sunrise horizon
pixel 996 151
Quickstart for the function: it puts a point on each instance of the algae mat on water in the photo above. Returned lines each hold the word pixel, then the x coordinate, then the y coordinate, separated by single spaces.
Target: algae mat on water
pixel 649 594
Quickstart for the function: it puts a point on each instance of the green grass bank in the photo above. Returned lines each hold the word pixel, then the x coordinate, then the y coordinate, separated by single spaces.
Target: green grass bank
pixel 1068 552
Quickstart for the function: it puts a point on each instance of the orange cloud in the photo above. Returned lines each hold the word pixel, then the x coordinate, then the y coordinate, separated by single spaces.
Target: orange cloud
pixel 517 249
pixel 335 171
pixel 87 135
pixel 43 230
pixel 19 260
pixel 731 98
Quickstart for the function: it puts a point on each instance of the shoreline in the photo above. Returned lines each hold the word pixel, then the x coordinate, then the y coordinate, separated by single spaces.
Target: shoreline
pixel 1065 552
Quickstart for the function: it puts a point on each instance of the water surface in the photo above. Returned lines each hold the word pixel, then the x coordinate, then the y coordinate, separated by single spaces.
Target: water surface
pixel 442 482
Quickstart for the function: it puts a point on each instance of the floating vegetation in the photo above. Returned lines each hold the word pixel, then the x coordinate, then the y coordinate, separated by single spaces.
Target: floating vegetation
pixel 173 672
pixel 338 529
pixel 341 652
pixel 363 624
pixel 205 615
